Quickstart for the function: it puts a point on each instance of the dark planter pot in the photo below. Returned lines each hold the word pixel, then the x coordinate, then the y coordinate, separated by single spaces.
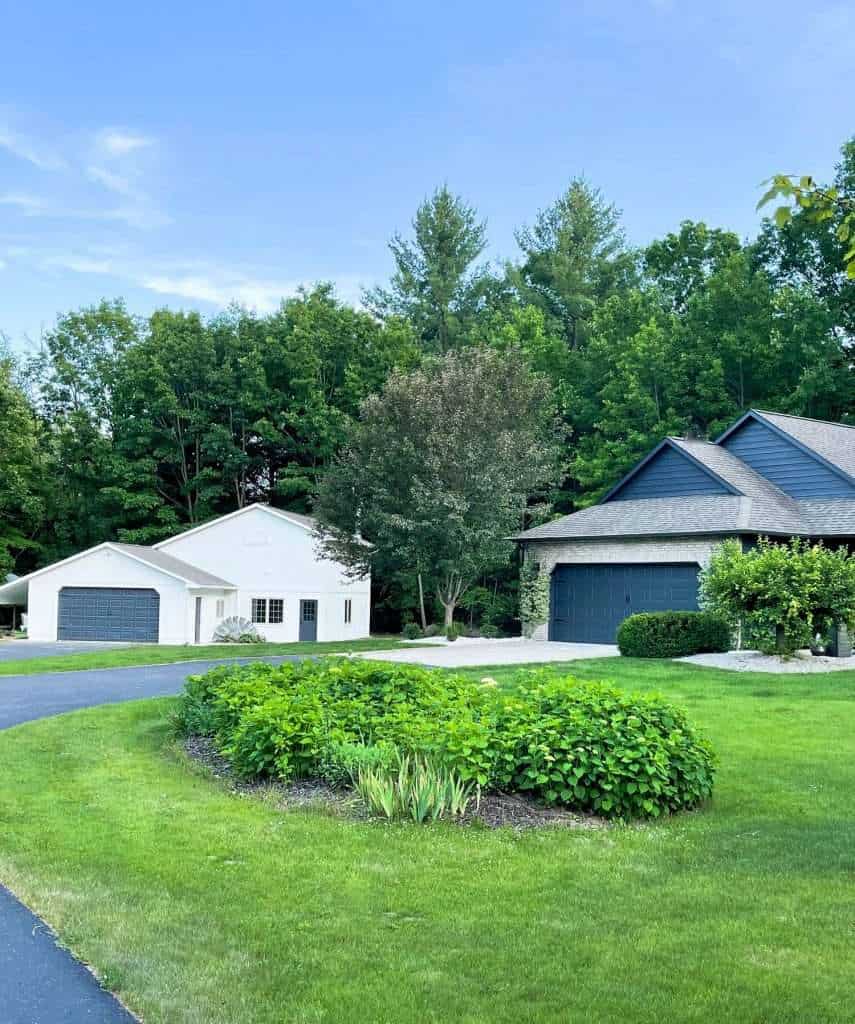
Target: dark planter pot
pixel 840 645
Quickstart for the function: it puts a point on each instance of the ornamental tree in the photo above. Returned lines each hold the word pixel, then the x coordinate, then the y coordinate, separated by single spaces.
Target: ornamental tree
pixel 439 470
pixel 783 594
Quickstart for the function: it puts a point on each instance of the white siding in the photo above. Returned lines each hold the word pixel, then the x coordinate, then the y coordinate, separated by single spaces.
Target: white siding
pixel 267 556
pixel 104 567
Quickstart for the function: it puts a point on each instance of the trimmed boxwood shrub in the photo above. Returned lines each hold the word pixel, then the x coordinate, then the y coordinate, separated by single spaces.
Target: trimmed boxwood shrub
pixel 585 745
pixel 672 634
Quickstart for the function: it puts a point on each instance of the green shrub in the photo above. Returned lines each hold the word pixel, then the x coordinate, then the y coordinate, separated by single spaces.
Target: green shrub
pixel 490 632
pixel 781 595
pixel 411 631
pixel 584 745
pixel 672 634
pixel 431 629
pixel 213 702
pixel 594 748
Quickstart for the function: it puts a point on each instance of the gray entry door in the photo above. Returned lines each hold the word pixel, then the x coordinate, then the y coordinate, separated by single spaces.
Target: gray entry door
pixel 309 620
pixel 589 602
pixel 108 613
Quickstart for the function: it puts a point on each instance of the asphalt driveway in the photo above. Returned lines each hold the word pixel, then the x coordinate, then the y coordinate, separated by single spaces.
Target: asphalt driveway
pixel 24 698
pixel 40 983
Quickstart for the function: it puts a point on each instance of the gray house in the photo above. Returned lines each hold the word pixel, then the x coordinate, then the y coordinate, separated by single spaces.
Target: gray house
pixel 642 546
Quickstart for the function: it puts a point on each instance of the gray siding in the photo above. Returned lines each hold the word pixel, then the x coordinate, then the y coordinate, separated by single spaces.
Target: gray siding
pixel 668 475
pixel 793 470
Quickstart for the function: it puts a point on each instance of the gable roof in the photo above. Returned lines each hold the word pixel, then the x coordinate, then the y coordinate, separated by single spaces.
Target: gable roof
pixel 708 515
pixel 832 444
pixel 173 566
pixel 306 522
pixel 668 442
pixel 15 591
pixel 741 477
pixel 753 504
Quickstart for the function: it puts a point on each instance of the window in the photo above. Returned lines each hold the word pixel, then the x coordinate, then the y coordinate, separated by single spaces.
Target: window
pixel 348 610
pixel 221 608
pixel 276 609
pixel 259 609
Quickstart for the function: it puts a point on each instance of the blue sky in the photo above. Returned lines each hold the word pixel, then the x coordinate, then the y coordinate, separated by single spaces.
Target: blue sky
pixel 185 154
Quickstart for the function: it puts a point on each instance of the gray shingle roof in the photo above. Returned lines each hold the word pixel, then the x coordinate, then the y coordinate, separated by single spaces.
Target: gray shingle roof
pixel 161 560
pixel 830 517
pixel 759 508
pixel 706 514
pixel 835 442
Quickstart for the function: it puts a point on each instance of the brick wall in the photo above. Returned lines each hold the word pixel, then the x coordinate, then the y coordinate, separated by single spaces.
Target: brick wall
pixel 550 553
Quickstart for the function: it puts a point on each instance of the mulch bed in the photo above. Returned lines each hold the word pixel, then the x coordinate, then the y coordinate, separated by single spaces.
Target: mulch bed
pixel 495 810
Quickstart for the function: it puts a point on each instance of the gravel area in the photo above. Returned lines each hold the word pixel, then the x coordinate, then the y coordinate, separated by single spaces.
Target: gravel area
pixel 495 810
pixel 754 661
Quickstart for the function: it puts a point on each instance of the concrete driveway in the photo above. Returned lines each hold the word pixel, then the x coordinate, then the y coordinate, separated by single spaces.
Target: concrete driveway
pixel 468 652
pixel 23 650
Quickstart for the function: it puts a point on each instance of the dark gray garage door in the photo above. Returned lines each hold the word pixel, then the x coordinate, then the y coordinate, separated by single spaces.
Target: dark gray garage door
pixel 589 602
pixel 108 613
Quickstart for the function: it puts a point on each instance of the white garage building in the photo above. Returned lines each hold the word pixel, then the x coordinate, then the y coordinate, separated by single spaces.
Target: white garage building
pixel 258 563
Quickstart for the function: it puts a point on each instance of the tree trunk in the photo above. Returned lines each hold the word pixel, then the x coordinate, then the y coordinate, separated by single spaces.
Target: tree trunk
pixel 780 640
pixel 449 595
pixel 449 613
pixel 422 603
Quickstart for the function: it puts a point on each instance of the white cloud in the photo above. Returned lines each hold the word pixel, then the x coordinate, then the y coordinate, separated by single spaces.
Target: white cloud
pixel 119 143
pixel 29 205
pixel 217 286
pixel 141 214
pixel 112 181
pixel 24 149
pixel 263 296
pixel 81 265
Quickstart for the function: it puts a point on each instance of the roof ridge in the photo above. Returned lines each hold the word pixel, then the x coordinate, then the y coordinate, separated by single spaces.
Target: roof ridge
pixel 807 419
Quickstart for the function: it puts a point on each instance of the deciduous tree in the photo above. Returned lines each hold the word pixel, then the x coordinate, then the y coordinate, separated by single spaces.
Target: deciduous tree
pixel 439 470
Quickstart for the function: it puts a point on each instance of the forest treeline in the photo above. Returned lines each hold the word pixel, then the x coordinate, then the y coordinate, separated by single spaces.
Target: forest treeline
pixel 132 428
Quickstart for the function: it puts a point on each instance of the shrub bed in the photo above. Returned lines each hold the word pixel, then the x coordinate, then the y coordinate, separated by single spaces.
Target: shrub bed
pixel 672 634
pixel 586 746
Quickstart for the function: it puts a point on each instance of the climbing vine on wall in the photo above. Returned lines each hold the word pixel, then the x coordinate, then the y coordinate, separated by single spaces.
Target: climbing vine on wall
pixel 534 597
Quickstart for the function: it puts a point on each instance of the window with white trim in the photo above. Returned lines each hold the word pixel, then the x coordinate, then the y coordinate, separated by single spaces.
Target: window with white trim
pixel 275 610
pixel 221 607
pixel 348 610
pixel 259 609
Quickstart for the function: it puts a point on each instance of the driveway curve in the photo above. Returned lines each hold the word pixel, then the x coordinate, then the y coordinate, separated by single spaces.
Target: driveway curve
pixel 41 983
pixel 25 698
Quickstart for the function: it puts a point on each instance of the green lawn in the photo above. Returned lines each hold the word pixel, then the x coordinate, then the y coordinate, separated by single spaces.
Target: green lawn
pixel 162 654
pixel 198 906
